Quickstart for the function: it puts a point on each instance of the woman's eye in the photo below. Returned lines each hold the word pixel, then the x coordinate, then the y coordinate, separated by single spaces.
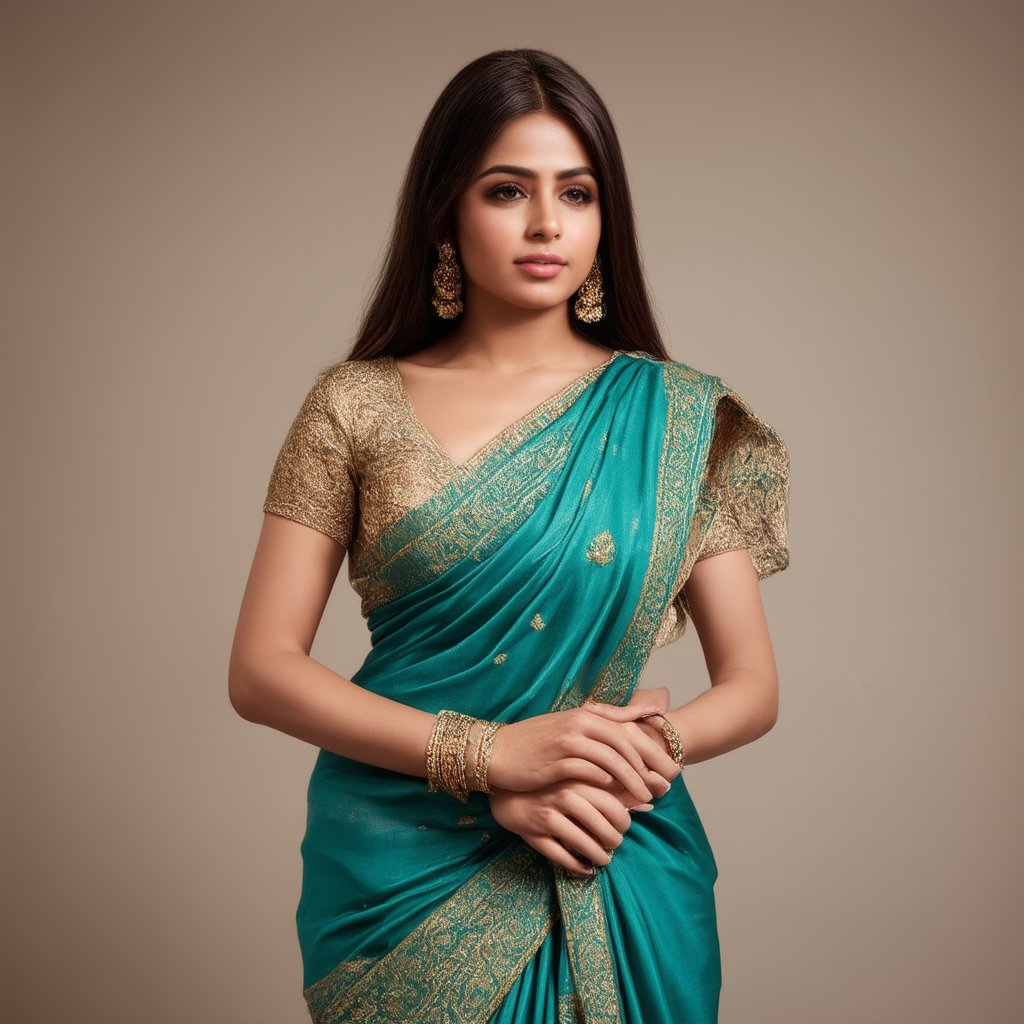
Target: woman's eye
pixel 578 195
pixel 508 191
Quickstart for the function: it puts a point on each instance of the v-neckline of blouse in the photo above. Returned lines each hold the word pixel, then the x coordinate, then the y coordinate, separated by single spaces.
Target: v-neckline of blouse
pixel 507 431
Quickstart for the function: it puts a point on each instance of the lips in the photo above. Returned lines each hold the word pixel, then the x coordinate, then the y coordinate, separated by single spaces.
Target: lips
pixel 541 257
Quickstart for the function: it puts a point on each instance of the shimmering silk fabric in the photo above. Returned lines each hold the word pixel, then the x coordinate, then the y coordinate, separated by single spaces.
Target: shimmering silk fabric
pixel 539 574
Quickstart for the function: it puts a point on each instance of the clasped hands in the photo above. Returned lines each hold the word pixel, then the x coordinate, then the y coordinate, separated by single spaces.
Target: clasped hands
pixel 566 781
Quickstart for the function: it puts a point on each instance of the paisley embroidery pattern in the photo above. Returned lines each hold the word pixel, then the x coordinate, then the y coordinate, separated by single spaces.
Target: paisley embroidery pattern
pixel 590 962
pixel 459 963
pixel 601 549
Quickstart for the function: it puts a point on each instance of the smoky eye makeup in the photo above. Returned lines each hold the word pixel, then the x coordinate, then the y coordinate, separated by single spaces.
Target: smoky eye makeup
pixel 507 190
pixel 582 195
pixel 576 195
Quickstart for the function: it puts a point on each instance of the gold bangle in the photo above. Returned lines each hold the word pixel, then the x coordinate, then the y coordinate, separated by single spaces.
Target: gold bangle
pixel 453 757
pixel 447 747
pixel 483 756
pixel 477 771
pixel 672 738
pixel 446 754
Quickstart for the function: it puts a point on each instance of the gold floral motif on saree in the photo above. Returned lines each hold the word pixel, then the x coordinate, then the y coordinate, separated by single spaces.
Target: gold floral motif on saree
pixel 601 550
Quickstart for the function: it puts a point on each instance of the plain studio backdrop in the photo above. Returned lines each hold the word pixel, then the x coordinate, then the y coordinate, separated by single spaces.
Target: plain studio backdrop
pixel 197 195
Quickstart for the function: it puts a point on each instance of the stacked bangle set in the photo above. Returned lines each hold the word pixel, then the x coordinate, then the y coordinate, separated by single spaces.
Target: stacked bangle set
pixel 446 755
pixel 446 752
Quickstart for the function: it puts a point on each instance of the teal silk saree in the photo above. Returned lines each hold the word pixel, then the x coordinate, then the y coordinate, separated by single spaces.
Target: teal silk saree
pixel 536 577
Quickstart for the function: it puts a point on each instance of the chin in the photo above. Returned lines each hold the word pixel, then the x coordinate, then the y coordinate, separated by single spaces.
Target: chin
pixel 540 299
pixel 540 307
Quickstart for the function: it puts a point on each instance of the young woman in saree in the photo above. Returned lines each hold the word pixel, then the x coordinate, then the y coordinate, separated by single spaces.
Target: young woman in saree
pixel 532 495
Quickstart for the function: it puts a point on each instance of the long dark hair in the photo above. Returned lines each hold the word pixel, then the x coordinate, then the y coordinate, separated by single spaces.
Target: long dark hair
pixel 465 120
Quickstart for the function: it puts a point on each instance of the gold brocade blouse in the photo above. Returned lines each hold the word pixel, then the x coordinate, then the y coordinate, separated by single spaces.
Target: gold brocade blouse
pixel 356 459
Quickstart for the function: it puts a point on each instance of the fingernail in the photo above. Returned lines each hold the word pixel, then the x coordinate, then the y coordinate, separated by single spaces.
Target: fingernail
pixel 643 807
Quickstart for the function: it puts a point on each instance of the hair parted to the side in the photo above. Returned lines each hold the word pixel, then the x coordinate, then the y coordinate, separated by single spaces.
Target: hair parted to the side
pixel 464 121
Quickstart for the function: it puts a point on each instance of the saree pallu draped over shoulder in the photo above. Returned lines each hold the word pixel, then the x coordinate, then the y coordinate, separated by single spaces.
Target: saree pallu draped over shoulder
pixel 535 579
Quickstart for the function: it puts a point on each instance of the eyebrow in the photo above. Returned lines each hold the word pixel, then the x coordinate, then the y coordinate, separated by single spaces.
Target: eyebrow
pixel 525 172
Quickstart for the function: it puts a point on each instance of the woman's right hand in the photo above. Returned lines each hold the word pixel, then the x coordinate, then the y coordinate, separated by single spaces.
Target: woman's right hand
pixel 572 824
pixel 578 744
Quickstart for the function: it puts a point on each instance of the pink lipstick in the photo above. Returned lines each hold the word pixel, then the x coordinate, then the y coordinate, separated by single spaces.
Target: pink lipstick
pixel 541 264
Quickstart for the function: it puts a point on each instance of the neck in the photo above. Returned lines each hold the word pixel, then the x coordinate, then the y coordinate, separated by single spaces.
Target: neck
pixel 507 338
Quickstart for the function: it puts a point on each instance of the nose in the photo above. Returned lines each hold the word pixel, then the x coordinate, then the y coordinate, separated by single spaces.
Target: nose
pixel 545 222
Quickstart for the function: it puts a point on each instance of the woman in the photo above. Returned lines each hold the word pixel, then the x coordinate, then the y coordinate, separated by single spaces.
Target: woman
pixel 530 492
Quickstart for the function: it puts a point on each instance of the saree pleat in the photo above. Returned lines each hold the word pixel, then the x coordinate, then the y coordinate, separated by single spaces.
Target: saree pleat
pixel 535 579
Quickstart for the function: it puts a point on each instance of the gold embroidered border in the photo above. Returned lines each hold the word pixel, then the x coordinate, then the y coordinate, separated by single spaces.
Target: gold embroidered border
pixel 456 965
pixel 688 394
pixel 460 962
pixel 322 993
pixel 517 431
pixel 467 517
pixel 570 1011
pixel 684 449
pixel 586 935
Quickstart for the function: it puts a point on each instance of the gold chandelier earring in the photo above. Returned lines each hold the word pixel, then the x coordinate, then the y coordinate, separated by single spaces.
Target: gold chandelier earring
pixel 588 306
pixel 447 300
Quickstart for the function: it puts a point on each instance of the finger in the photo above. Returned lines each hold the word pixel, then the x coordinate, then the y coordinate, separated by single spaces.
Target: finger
pixel 614 736
pixel 651 745
pixel 555 852
pixel 613 802
pixel 623 713
pixel 581 842
pixel 607 821
pixel 613 760
pixel 654 750
pixel 657 780
pixel 584 770
pixel 619 794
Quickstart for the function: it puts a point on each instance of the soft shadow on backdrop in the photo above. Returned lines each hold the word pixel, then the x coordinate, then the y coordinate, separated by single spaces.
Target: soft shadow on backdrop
pixel 829 205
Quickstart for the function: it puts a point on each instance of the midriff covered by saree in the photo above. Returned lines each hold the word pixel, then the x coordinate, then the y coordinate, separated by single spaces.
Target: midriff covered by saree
pixel 538 574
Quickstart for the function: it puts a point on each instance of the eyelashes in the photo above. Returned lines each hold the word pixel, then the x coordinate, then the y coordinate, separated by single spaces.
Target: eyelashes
pixel 576 195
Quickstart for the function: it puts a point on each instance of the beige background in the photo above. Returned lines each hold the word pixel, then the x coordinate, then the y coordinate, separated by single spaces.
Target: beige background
pixel 829 205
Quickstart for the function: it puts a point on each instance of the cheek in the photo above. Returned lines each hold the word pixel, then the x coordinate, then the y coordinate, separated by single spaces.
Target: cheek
pixel 484 239
pixel 588 239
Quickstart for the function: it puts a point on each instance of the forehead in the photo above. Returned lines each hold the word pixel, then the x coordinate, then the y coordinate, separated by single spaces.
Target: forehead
pixel 539 141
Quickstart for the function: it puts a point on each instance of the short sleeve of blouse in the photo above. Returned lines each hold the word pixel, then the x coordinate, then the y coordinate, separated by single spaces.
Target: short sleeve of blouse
pixel 745 488
pixel 313 481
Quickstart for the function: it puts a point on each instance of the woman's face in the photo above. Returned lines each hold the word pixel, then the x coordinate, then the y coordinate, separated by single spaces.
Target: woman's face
pixel 535 195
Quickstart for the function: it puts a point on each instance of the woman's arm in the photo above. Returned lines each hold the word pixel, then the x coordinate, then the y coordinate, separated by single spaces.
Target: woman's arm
pixel 273 681
pixel 742 704
pixel 724 598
